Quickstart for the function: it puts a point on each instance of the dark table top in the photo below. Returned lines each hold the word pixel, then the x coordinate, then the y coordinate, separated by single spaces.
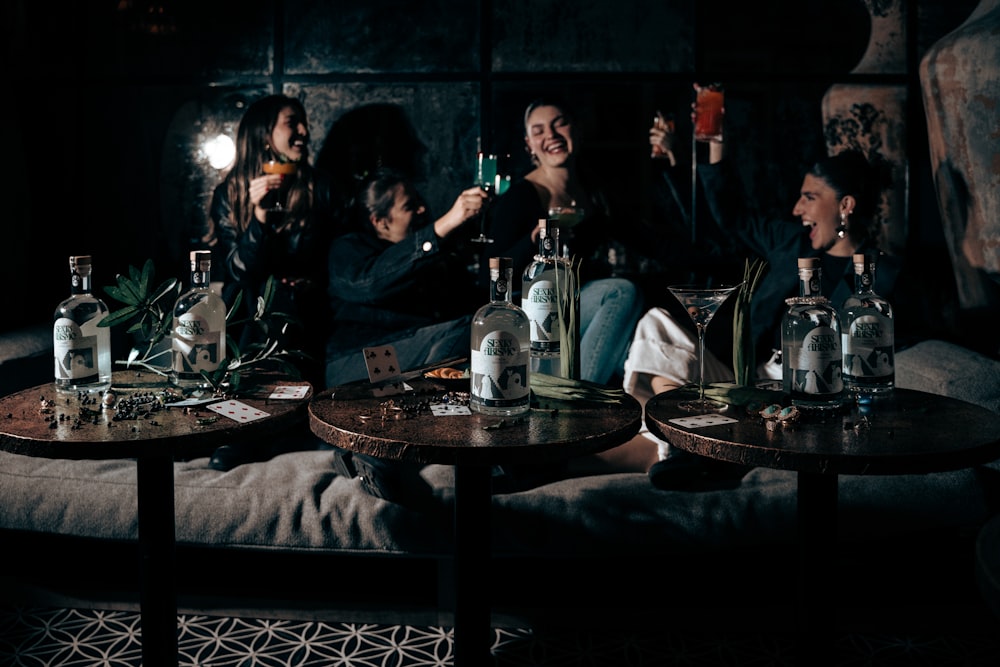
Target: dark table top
pixel 353 420
pixel 61 432
pixel 908 432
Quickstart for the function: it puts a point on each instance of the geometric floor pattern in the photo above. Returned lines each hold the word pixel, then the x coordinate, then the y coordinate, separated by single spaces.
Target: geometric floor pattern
pixel 51 637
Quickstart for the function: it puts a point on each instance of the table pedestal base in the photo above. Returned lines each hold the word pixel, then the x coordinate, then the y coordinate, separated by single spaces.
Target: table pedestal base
pixel 473 635
pixel 158 591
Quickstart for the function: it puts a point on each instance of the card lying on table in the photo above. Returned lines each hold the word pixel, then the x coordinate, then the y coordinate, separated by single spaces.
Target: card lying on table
pixel 238 411
pixel 698 421
pixel 289 391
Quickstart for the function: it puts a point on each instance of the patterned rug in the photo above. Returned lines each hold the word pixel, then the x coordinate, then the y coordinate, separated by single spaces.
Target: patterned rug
pixel 50 637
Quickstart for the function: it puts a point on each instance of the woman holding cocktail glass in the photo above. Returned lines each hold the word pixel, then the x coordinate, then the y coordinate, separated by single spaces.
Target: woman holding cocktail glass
pixel 837 209
pixel 558 187
pixel 272 216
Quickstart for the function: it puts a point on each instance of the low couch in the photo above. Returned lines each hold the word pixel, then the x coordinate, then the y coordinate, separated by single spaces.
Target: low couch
pixel 296 524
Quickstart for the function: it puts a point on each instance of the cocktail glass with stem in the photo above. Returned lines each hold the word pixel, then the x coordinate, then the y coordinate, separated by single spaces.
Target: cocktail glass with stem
pixel 701 303
pixel 486 177
pixel 274 200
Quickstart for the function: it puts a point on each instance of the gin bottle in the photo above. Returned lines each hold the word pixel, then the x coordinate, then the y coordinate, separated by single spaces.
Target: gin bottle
pixel 811 358
pixel 868 337
pixel 547 298
pixel 199 330
pixel 500 353
pixel 82 349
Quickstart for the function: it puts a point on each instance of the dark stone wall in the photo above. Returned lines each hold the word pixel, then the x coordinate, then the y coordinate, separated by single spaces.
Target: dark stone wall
pixel 107 100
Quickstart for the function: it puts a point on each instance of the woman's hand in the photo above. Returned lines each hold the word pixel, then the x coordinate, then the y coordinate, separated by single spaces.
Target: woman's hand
pixel 661 138
pixel 468 205
pixel 259 187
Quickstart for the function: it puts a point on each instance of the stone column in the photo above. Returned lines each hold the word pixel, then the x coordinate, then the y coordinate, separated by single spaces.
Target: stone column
pixel 872 117
pixel 960 82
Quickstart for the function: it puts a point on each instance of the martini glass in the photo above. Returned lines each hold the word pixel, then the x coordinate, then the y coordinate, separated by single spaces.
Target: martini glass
pixel 701 304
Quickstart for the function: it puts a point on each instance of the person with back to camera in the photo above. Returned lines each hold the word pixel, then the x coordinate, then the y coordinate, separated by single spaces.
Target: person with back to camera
pixel 396 281
pixel 250 243
pixel 837 209
pixel 610 306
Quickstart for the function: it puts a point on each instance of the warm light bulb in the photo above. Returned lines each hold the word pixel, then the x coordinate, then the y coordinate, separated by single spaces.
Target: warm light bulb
pixel 221 151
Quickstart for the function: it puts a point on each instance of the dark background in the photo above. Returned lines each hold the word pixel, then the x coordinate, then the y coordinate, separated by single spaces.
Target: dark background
pixel 107 102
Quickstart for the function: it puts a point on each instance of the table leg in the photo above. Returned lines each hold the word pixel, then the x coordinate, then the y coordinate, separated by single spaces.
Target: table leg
pixel 157 592
pixel 473 635
pixel 817 567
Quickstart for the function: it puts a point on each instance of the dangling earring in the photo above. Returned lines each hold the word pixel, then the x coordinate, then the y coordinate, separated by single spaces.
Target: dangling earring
pixel 842 228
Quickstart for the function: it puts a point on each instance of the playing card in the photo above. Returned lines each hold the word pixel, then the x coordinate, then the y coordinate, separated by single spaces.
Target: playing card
pixel 698 421
pixel 382 363
pixel 237 411
pixel 449 409
pixel 290 391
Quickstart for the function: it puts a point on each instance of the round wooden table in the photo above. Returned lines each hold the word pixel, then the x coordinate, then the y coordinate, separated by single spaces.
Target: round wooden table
pixel 906 432
pixel 387 428
pixel 47 423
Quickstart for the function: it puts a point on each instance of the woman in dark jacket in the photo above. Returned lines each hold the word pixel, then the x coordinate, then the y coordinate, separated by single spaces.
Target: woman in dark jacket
pixel 837 211
pixel 251 239
pixel 398 280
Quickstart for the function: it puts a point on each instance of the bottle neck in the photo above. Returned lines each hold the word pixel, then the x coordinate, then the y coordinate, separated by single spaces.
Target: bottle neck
pixel 864 278
pixel 810 282
pixel 200 278
pixel 548 244
pixel 500 285
pixel 80 282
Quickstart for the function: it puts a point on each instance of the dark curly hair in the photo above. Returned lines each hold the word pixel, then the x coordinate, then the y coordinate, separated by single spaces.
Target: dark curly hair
pixel 851 173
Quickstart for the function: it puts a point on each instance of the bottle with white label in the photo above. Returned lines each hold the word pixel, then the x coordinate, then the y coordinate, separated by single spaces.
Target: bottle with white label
pixel 199 329
pixel 811 358
pixel 500 350
pixel 548 288
pixel 868 338
pixel 82 349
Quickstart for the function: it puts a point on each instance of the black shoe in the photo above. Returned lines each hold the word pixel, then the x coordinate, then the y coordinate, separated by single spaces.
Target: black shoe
pixel 225 458
pixel 396 482
pixel 683 471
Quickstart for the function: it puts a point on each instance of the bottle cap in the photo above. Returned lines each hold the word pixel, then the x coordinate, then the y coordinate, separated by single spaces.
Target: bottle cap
pixel 79 261
pixel 808 262
pixel 501 263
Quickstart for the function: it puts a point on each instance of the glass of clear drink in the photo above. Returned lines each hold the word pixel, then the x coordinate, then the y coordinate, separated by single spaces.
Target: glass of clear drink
pixel 701 303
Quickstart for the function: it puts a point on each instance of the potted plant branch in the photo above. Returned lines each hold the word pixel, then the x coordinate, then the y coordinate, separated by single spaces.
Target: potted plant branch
pixel 147 312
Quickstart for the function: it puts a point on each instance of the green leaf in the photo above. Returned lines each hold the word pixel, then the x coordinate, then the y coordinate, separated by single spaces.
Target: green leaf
pixel 121 294
pixel 165 288
pixel 118 317
pixel 147 276
pixel 131 289
pixel 235 307
pixel 269 292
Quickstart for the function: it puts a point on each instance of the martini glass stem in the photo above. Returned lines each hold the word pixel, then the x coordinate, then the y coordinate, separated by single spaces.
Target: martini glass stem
pixel 701 362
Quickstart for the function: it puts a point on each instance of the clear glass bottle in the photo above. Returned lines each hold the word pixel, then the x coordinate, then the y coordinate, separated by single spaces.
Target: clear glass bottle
pixel 811 358
pixel 82 349
pixel 501 349
pixel 547 293
pixel 199 330
pixel 868 336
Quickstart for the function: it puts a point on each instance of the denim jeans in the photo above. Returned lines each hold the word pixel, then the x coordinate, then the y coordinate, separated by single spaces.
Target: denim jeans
pixel 609 311
pixel 414 349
